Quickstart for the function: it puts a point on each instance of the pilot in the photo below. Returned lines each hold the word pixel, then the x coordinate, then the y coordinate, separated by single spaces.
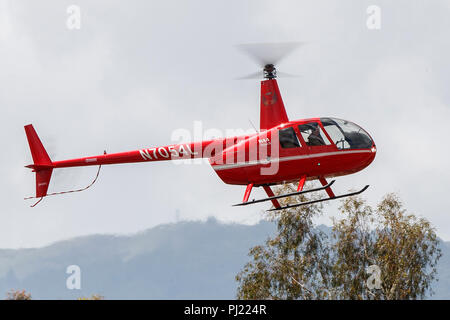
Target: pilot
pixel 314 138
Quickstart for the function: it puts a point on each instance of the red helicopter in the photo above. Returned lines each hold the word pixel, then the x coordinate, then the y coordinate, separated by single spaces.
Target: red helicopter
pixel 282 151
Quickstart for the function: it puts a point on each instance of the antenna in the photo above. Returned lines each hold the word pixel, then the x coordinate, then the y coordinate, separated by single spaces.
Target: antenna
pixel 253 125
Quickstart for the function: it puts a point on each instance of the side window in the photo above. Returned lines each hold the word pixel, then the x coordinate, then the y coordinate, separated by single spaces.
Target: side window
pixel 313 134
pixel 288 138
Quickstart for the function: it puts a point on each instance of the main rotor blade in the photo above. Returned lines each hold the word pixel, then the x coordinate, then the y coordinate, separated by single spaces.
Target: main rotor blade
pixel 260 75
pixel 255 75
pixel 268 53
pixel 281 74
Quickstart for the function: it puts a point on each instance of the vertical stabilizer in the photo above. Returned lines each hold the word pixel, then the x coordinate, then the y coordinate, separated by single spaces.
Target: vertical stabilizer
pixel 42 164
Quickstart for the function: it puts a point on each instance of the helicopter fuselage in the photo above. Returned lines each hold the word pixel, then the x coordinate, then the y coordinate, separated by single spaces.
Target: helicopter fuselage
pixel 281 154
pixel 282 151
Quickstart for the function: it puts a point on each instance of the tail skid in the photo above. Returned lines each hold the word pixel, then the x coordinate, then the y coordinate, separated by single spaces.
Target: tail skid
pixel 43 167
pixel 64 192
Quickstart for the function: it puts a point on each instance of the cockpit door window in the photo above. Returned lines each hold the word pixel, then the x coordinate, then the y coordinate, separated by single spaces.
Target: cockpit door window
pixel 346 134
pixel 313 135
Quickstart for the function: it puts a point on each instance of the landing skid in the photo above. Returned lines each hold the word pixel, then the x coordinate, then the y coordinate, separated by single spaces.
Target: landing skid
pixel 320 200
pixel 284 195
pixel 277 206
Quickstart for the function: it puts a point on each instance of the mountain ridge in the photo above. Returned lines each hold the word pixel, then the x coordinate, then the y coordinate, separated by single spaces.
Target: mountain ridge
pixel 182 260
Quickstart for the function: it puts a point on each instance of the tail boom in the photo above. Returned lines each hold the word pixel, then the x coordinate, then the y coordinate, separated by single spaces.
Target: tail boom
pixel 191 150
pixel 43 166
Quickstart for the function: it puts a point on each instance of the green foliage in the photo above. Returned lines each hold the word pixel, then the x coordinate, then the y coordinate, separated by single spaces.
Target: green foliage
pixel 18 295
pixel 301 262
pixel 93 297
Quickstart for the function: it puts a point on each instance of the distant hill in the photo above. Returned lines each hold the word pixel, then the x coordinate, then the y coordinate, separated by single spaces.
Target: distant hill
pixel 185 260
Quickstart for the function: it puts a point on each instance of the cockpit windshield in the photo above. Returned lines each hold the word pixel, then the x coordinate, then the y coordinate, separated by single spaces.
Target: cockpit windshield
pixel 346 135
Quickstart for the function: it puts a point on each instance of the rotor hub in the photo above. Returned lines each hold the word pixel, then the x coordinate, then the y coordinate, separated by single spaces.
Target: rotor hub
pixel 270 72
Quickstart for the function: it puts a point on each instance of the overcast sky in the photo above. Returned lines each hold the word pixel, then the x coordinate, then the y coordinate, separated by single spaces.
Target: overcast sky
pixel 138 70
